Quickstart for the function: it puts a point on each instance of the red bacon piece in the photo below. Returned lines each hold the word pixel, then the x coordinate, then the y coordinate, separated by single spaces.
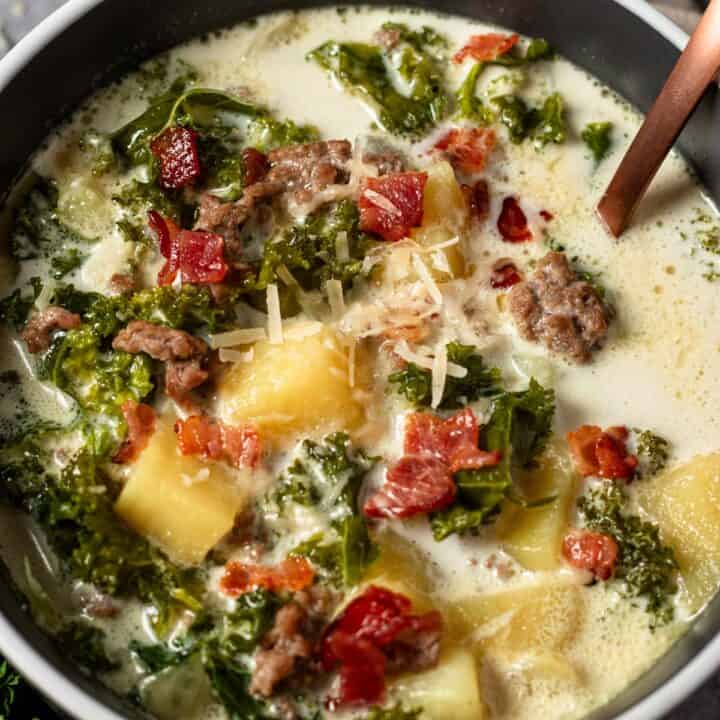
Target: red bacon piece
pixel 546 215
pixel 391 205
pixel 214 440
pixel 484 48
pixel 367 633
pixel 198 255
pixel 512 222
pixel 140 419
pixel 292 574
pixel 478 197
pixel 591 551
pixel 504 275
pixel 602 454
pixel 256 165
pixel 467 148
pixel 177 153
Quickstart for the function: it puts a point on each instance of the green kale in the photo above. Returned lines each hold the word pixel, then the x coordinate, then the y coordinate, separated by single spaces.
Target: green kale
pixel 519 427
pixel 481 381
pixel 266 133
pixel 366 70
pixel 329 475
pixel 646 566
pixel 37 228
pixel 543 125
pixel 425 39
pixel 597 137
pixel 230 681
pixel 394 712
pixel 653 452
pixel 66 263
pixel 85 645
pixel 98 149
pixel 310 252
pixel 16 307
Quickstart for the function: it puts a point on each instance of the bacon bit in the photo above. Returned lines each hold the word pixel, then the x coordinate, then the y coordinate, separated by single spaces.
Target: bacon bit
pixel 512 222
pixel 197 254
pixel 602 454
pixel 422 481
pixel 404 192
pixel 292 574
pixel 213 440
pixel 484 48
pixel 478 199
pixel 256 166
pixel 504 274
pixel 176 150
pixel 546 215
pixel 591 551
pixel 467 148
pixel 140 419
pixel 362 639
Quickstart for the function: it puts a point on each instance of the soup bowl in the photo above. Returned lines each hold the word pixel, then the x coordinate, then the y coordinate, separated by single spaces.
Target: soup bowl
pixel 89 43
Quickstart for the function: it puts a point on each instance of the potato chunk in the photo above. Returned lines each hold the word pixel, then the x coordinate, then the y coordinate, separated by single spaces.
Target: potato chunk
pixel 445 216
pixel 182 504
pixel 534 536
pixel 686 504
pixel 294 387
pixel 450 690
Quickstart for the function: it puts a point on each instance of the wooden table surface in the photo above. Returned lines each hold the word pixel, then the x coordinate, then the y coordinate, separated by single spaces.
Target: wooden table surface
pixel 17 17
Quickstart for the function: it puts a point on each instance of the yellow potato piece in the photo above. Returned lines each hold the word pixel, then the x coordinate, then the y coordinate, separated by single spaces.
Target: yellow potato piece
pixel 182 504
pixel 448 692
pixel 291 388
pixel 534 536
pixel 445 216
pixel 686 504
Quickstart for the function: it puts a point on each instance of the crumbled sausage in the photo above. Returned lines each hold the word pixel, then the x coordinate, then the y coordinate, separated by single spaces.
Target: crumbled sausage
pixel 183 376
pixel 414 650
pixel 41 326
pixel 556 308
pixel 386 161
pixel 159 342
pixel 121 283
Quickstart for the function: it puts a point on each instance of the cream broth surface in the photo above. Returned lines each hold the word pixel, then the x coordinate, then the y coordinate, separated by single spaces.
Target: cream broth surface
pixel 657 370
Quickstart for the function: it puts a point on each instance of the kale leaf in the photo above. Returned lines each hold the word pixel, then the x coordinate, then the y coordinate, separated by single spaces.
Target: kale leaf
pixel 85 645
pixel 415 383
pixel 597 137
pixel 16 307
pixel 646 566
pixel 543 125
pixel 366 70
pixel 653 452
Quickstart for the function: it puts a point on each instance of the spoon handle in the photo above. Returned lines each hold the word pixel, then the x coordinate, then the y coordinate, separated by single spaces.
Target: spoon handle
pixel 695 70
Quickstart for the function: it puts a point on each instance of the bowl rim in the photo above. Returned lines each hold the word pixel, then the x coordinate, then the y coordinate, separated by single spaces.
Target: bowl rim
pixel 80 704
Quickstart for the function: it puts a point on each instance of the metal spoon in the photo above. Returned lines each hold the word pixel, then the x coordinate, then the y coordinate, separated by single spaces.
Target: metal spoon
pixel 695 70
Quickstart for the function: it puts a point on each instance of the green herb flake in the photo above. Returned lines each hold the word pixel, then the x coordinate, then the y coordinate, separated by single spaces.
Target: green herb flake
pixel 653 452
pixel 597 136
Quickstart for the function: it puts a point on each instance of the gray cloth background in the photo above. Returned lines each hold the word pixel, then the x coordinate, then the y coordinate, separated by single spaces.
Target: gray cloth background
pixel 17 17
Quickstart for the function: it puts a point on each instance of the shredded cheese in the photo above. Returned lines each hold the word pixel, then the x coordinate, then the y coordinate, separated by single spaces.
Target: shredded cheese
pixel 427 280
pixel 235 356
pixel 351 361
pixel 382 202
pixel 335 298
pixel 301 329
pixel 275 328
pixel 439 374
pixel 402 350
pixel 244 336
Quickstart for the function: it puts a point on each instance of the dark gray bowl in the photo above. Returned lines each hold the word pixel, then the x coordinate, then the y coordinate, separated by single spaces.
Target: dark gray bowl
pixel 89 43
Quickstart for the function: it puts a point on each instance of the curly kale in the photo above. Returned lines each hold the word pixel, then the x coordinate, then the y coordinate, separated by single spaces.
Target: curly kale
pixel 328 476
pixel 367 70
pixel 597 138
pixel 415 383
pixel 646 566
pixel 543 125
pixel 520 427
pixel 16 307
pixel 653 452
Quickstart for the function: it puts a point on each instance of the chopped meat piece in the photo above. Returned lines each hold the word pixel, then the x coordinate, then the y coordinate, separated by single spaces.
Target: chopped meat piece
pixel 504 274
pixel 159 342
pixel 295 573
pixel 282 647
pixel 486 47
pixel 392 205
pixel 546 215
pixel 210 438
pixel 140 420
pixel 478 199
pixel 467 149
pixel 183 376
pixel 39 329
pixel 417 647
pixel 512 222
pixel 177 152
pixel 121 283
pixel 556 308
pixel 97 604
pixel 602 454
pixel 591 551
pixel 386 162
pixel 256 165
pixel 387 38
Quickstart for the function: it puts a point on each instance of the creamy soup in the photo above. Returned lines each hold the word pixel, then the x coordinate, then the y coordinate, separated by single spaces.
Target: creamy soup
pixel 325 393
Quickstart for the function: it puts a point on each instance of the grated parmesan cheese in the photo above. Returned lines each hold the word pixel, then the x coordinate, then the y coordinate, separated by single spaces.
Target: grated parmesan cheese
pixel 275 328
pixel 234 356
pixel 335 298
pixel 427 280
pixel 382 202
pixel 244 336
pixel 439 374
pixel 301 329
pixel 351 361
pixel 402 350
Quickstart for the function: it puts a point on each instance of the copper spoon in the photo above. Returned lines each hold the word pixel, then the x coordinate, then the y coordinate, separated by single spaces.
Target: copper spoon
pixel 695 70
